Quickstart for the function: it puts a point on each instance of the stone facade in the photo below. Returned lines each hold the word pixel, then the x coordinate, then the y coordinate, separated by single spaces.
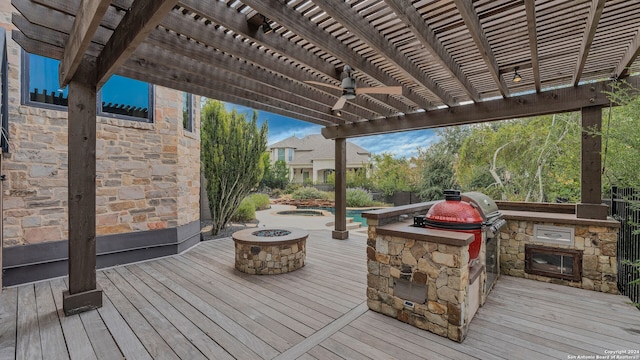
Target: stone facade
pixel 442 269
pixel 598 243
pixel 148 174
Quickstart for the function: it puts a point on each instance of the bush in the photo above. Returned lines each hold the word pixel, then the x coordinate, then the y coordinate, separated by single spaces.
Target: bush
pixel 245 212
pixel 260 201
pixel 359 197
pixel 307 193
pixel 291 188
pixel 276 193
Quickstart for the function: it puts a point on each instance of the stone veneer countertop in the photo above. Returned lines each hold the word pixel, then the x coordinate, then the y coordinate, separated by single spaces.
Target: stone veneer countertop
pixel 405 230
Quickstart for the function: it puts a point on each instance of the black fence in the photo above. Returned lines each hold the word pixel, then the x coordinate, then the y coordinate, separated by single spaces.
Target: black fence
pixel 624 207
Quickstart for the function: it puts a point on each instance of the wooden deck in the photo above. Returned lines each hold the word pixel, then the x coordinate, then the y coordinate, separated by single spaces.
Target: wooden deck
pixel 196 306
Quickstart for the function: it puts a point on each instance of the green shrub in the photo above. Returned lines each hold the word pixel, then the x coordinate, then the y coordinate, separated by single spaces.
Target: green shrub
pixel 291 188
pixel 276 193
pixel 307 193
pixel 245 212
pixel 260 201
pixel 359 197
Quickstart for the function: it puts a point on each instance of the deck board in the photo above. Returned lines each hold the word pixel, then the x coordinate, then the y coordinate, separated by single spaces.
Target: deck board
pixel 75 335
pixel 28 334
pixel 51 336
pixel 8 323
pixel 196 305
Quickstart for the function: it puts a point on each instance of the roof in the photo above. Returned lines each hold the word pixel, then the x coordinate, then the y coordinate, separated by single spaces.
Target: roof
pixel 454 59
pixel 316 147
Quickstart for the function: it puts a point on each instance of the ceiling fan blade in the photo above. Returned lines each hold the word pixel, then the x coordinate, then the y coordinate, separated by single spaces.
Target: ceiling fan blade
pixel 339 104
pixel 324 84
pixel 391 90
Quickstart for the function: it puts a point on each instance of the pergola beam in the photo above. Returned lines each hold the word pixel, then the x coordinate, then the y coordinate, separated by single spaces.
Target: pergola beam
pixel 139 21
pixel 622 70
pixel 360 27
pixel 138 70
pixel 230 45
pixel 232 96
pixel 295 22
pixel 85 24
pixel 595 11
pixel 546 102
pixel 205 75
pixel 221 14
pixel 405 10
pixel 471 19
pixel 530 8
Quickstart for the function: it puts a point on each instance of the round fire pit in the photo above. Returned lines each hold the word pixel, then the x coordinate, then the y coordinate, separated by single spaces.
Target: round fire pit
pixel 270 251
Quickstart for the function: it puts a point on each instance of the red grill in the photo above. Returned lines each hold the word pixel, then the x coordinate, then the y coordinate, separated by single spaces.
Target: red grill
pixel 473 213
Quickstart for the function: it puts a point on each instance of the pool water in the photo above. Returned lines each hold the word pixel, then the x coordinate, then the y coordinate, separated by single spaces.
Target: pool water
pixel 351 213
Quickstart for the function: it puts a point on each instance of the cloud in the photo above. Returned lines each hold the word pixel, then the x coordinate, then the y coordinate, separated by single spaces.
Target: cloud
pixel 398 144
pixel 403 144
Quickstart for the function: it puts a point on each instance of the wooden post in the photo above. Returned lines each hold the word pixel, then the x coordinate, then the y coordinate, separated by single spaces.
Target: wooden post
pixel 591 206
pixel 340 231
pixel 83 293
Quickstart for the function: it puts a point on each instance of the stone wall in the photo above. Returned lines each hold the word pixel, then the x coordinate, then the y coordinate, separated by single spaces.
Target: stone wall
pixel 148 174
pixel 443 269
pixel 598 243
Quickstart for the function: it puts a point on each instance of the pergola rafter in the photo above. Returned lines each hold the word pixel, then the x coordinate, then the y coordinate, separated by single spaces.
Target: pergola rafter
pixel 530 6
pixel 595 11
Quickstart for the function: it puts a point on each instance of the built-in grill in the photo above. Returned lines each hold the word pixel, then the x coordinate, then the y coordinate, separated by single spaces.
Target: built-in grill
pixel 471 212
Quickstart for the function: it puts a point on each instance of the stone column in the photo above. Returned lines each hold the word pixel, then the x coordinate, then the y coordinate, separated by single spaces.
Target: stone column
pixel 591 206
pixel 340 231
pixel 83 293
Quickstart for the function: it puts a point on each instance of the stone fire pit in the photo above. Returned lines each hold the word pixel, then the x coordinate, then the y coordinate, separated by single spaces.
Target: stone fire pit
pixel 269 250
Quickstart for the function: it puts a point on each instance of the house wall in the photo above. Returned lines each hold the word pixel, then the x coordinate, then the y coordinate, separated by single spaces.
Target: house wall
pixel 147 177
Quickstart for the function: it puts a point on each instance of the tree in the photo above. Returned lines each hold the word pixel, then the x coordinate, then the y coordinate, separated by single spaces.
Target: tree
pixel 437 162
pixel 621 137
pixel 276 176
pixel 231 149
pixel 390 174
pixel 280 174
pixel 532 159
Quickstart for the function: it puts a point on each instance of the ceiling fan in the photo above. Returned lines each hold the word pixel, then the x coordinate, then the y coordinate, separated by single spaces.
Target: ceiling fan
pixel 349 90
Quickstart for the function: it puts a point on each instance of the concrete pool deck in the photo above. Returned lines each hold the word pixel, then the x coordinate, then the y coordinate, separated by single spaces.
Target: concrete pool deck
pixel 271 218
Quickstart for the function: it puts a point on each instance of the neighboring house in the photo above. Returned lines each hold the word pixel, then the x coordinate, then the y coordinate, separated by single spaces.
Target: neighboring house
pixel 147 168
pixel 312 159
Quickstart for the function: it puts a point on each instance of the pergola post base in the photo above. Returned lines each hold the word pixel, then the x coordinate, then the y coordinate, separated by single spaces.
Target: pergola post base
pixel 592 211
pixel 340 234
pixel 80 302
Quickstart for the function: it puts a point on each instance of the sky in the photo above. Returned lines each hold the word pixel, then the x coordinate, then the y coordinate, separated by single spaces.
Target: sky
pixel 403 144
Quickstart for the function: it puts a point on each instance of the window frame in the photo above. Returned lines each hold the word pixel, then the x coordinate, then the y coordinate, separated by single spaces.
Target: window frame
pixel 278 154
pixel 25 98
pixel 191 110
pixel 4 93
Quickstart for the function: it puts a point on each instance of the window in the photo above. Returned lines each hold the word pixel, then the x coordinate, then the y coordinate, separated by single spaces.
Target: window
pixel 127 98
pixel 120 97
pixel 281 154
pixel 187 111
pixel 4 95
pixel 290 155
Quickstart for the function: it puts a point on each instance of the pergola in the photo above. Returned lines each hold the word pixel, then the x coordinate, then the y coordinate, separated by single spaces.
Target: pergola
pixel 454 59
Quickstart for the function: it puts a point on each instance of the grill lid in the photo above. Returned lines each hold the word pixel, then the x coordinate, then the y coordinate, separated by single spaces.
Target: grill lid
pixel 484 204
pixel 454 213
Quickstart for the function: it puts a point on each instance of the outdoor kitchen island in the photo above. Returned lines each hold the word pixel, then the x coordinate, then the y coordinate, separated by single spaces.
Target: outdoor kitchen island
pixel 423 276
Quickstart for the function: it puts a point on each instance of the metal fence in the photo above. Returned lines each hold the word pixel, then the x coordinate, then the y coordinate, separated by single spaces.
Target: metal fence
pixel 624 208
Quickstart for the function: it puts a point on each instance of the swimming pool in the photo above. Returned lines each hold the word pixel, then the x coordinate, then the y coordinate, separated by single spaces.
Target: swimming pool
pixel 356 214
